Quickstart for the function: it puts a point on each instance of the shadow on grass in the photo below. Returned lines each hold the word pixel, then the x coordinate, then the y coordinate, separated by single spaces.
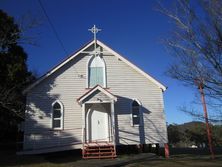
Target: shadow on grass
pixel 133 158
pixel 9 158
pixel 179 161
pixel 73 158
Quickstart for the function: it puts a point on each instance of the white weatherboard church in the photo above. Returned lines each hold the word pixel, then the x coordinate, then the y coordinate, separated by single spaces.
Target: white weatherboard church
pixel 94 100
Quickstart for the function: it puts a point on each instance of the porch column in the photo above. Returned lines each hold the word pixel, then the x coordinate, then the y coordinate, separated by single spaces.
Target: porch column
pixel 83 124
pixel 113 121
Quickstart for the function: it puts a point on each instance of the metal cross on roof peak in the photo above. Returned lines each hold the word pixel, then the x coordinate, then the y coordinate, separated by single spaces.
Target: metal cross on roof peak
pixel 95 52
pixel 94 30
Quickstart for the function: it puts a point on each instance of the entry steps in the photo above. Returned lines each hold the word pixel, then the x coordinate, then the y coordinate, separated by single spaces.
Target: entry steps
pixel 98 150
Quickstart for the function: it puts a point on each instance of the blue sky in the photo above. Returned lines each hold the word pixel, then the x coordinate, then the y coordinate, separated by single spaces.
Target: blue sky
pixel 131 27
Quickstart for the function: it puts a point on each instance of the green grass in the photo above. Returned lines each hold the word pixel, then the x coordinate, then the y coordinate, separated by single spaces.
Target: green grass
pixel 181 161
pixel 73 159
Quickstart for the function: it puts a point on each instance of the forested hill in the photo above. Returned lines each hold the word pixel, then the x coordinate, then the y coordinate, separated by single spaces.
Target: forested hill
pixel 193 133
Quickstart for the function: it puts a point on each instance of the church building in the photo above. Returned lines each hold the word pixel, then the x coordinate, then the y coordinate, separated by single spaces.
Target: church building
pixel 94 100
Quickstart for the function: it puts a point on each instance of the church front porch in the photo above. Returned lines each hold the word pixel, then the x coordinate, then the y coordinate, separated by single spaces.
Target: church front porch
pixel 98 124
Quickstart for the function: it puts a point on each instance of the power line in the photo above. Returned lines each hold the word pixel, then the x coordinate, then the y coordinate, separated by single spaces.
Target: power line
pixel 53 28
pixel 55 32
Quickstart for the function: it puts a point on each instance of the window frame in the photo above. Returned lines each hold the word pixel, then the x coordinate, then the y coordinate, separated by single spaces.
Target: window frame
pixel 88 71
pixel 61 118
pixel 131 109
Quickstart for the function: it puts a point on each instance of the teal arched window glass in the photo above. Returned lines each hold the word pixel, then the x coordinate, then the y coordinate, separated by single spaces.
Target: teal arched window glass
pixel 96 73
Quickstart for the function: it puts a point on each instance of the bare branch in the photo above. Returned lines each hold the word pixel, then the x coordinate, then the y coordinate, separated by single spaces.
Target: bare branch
pixel 196 43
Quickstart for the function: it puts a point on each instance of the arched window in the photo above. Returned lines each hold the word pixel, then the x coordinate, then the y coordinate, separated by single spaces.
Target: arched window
pixel 135 112
pixel 96 72
pixel 57 115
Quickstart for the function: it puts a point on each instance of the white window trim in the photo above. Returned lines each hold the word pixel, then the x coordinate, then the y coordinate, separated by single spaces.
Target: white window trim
pixel 131 114
pixel 62 115
pixel 87 72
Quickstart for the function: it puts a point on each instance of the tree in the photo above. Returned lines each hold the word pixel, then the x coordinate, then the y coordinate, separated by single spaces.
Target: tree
pixel 196 133
pixel 217 135
pixel 14 75
pixel 187 134
pixel 196 43
pixel 174 135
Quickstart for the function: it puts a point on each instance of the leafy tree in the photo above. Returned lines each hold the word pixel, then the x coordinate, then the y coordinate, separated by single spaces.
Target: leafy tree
pixel 9 32
pixel 217 135
pixel 196 132
pixel 187 134
pixel 14 75
pixel 174 135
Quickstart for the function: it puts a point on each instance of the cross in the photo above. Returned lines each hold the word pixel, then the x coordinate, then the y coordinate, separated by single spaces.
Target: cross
pixel 94 30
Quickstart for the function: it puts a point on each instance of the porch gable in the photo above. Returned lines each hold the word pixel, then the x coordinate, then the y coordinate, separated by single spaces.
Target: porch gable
pixel 97 94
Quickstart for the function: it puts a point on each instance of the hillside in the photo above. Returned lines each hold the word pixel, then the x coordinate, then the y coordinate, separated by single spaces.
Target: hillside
pixel 193 133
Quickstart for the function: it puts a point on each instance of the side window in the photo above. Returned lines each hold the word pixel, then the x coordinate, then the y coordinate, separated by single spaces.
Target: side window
pixel 96 72
pixel 135 113
pixel 57 115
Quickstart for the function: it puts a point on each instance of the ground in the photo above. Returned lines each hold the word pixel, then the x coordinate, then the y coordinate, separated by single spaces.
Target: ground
pixel 73 159
pixel 179 158
pixel 180 161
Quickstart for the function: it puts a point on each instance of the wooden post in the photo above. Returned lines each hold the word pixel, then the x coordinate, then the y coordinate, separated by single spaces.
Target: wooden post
pixel 83 124
pixel 113 122
pixel 167 152
pixel 209 135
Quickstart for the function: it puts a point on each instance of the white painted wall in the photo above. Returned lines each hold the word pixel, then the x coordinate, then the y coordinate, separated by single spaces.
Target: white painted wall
pixel 66 85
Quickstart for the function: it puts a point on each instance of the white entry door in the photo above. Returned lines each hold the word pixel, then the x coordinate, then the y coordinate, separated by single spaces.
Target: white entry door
pixel 99 124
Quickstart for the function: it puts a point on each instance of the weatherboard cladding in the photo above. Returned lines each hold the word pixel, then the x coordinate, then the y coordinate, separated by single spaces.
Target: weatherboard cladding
pixel 110 97
pixel 66 85
pixel 97 96
pixel 88 47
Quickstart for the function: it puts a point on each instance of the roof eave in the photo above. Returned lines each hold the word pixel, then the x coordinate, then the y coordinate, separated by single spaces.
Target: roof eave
pixel 160 85
pixel 72 56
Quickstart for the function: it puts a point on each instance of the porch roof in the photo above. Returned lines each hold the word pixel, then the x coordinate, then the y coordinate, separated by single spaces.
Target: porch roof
pixel 92 91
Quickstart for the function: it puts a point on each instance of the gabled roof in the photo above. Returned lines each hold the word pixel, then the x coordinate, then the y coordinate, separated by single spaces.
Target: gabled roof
pixel 94 89
pixel 161 86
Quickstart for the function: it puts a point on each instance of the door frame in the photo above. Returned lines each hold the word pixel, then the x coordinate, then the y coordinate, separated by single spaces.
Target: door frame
pixel 88 124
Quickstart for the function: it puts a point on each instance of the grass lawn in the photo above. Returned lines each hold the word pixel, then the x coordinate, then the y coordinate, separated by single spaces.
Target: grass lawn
pixel 181 161
pixel 73 159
